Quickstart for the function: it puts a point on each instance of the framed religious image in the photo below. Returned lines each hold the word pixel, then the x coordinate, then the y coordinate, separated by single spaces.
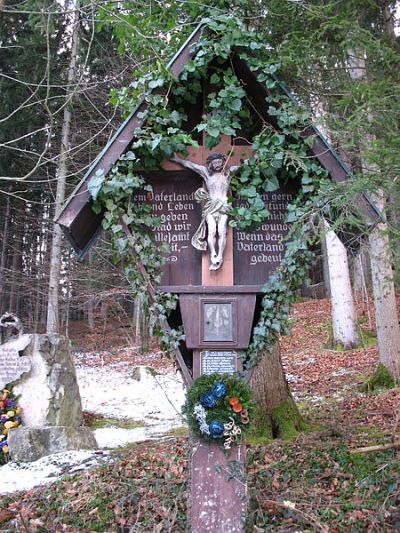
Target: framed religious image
pixel 218 321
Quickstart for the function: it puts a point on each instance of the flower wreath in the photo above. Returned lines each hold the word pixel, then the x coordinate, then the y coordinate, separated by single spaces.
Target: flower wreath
pixel 219 406
pixel 9 418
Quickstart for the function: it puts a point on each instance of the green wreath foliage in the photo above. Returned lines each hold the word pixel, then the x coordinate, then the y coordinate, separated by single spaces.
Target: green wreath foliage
pixel 236 387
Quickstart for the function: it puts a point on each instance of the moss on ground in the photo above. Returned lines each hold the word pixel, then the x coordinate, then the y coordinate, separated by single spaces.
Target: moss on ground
pixel 261 431
pixel 380 379
pixel 287 421
pixel 124 423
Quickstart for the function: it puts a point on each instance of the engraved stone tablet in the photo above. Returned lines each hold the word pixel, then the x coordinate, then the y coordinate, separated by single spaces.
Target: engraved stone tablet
pixel 218 323
pixel 224 362
pixel 12 365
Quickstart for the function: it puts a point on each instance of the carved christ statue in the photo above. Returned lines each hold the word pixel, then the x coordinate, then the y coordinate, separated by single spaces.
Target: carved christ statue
pixel 213 199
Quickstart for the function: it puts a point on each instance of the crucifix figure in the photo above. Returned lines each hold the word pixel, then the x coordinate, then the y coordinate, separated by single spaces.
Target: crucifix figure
pixel 214 202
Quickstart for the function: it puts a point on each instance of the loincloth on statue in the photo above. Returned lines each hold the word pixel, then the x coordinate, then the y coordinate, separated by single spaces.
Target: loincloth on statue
pixel 209 207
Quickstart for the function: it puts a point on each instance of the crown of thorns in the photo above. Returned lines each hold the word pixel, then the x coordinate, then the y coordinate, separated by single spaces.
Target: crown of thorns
pixel 212 157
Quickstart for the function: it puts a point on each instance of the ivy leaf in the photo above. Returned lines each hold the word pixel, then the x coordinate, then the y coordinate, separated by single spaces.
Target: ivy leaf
pixel 236 104
pixel 215 79
pixel 213 132
pixel 156 83
pixel 96 183
pixel 155 143
pixel 116 228
pixel 201 127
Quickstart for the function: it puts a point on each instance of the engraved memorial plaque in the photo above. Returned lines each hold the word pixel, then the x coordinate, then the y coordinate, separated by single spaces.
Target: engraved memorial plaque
pixel 12 365
pixel 217 322
pixel 224 362
pixel 259 253
pixel 172 200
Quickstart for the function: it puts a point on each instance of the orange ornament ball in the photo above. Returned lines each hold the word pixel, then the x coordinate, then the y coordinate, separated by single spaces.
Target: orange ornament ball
pixel 237 407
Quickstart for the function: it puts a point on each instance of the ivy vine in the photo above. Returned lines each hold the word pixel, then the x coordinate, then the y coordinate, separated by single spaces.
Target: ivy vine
pixel 280 155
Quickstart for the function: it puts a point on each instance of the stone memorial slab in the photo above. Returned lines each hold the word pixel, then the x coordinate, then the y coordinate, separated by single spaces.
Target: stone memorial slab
pixel 224 362
pixel 12 364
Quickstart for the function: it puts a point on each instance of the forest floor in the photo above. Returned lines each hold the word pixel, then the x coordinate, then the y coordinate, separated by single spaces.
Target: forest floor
pixel 313 483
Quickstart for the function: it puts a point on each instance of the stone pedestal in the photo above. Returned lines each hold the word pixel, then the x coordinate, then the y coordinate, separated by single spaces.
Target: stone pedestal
pixel 31 443
pixel 218 489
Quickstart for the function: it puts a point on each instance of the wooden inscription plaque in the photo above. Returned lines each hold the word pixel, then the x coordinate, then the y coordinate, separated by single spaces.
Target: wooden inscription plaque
pixel 173 201
pixel 259 253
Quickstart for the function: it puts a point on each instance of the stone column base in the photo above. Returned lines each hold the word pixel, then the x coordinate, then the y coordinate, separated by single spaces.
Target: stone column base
pixel 31 443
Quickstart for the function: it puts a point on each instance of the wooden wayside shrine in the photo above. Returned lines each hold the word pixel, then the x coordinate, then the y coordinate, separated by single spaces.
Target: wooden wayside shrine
pixel 216 307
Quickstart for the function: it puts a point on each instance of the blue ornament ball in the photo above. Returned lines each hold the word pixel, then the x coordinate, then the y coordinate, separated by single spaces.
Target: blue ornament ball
pixel 208 400
pixel 216 429
pixel 219 390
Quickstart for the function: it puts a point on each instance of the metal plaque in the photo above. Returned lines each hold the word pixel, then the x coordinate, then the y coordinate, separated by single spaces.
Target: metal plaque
pixel 224 362
pixel 218 322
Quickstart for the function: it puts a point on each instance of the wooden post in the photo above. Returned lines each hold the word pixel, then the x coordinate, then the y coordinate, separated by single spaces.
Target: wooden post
pixel 218 489
pixel 218 484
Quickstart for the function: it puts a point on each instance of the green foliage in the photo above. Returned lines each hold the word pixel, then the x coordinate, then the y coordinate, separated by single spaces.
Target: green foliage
pixel 99 422
pixel 351 490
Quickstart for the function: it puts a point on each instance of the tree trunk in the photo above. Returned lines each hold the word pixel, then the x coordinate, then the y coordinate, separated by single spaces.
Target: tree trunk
pixel 55 262
pixel 344 316
pixel 325 268
pixel 386 314
pixel 387 321
pixel 277 414
pixel 4 246
pixel 16 267
pixel 90 302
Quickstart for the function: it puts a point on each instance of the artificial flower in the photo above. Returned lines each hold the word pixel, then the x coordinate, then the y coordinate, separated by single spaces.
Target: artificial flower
pixel 216 429
pixel 219 390
pixel 208 400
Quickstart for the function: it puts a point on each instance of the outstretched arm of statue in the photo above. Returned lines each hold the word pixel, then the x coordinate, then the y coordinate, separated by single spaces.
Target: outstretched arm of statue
pixel 200 169
pixel 234 168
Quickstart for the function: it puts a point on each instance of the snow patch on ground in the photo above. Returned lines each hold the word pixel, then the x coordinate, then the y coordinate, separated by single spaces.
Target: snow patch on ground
pixel 155 400
pixel 113 393
pixel 24 476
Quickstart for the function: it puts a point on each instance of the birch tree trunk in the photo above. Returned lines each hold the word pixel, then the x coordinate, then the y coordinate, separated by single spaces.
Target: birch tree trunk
pixel 344 316
pixel 55 255
pixel 386 314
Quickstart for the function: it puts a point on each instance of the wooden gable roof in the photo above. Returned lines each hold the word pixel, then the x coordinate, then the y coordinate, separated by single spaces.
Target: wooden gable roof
pixel 79 222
